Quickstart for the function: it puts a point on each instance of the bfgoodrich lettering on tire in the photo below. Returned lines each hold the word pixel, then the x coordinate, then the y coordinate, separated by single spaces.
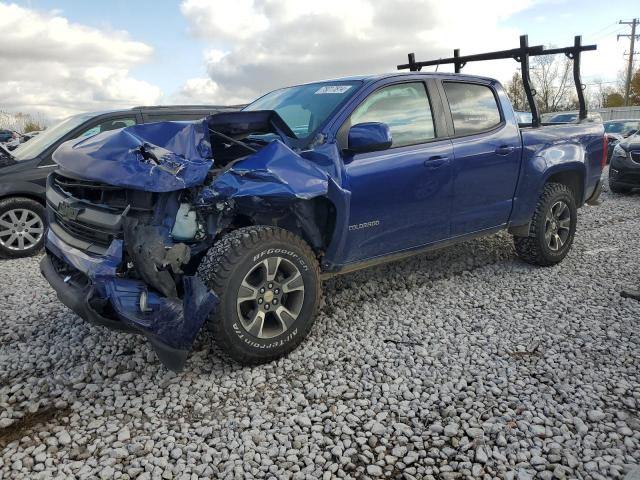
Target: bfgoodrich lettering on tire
pixel 268 281
pixel 553 227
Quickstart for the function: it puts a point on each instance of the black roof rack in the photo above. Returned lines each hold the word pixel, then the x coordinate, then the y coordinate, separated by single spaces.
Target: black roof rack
pixel 520 55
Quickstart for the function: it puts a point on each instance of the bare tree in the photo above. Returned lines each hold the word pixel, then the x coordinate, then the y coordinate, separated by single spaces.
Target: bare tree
pixel 551 77
pixel 515 92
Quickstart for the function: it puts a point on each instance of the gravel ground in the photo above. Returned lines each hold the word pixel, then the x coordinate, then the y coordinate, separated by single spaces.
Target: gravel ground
pixel 463 363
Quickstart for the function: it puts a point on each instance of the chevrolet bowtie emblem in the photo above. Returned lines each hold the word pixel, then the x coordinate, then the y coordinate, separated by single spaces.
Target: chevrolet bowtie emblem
pixel 66 210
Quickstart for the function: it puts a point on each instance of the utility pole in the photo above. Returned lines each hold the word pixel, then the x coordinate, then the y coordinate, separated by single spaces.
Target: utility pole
pixel 633 36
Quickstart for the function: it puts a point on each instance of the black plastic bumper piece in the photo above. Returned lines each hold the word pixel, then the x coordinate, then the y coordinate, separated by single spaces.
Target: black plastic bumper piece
pixel 78 299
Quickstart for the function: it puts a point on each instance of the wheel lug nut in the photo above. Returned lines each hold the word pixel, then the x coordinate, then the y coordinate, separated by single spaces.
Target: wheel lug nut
pixel 276 291
pixel 275 301
pixel 262 290
pixel 271 285
pixel 266 306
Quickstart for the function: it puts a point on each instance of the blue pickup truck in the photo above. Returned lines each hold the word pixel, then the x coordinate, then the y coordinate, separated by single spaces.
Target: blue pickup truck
pixel 234 220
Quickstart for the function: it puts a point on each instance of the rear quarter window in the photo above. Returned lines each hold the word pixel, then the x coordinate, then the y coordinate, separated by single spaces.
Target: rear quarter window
pixel 473 107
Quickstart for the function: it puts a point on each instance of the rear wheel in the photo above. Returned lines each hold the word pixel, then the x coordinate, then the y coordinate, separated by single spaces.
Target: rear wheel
pixel 22 227
pixel 268 282
pixel 552 227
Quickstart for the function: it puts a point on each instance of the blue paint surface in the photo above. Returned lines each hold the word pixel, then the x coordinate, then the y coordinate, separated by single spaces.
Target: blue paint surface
pixel 155 157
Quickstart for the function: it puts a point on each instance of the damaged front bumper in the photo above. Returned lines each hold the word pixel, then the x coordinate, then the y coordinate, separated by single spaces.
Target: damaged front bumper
pixel 90 286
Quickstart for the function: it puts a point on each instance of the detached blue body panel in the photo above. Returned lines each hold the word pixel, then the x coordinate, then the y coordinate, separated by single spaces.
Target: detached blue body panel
pixel 155 157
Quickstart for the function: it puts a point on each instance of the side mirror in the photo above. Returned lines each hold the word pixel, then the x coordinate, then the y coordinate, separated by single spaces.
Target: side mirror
pixel 369 137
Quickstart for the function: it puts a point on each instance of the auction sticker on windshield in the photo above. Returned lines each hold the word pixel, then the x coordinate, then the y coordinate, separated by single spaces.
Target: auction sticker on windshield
pixel 332 89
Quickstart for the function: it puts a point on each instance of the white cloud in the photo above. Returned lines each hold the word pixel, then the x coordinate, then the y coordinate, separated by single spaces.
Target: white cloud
pixel 57 68
pixel 259 45
pixel 204 91
pixel 235 20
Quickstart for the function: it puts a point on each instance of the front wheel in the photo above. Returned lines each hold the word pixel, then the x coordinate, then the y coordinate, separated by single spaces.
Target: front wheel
pixel 268 282
pixel 553 228
pixel 22 227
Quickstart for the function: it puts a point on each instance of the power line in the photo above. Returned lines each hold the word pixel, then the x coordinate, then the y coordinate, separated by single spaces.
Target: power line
pixel 632 38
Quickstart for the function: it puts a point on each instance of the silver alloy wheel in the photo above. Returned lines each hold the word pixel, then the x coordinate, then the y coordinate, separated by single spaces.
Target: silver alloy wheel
pixel 270 297
pixel 20 229
pixel 557 225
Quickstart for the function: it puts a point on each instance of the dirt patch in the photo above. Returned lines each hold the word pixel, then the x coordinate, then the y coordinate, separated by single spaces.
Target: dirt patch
pixel 29 422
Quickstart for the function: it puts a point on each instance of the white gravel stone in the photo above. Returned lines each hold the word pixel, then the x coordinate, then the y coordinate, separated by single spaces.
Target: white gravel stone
pixel 461 363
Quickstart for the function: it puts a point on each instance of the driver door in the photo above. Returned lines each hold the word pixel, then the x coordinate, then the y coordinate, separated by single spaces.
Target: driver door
pixel 400 197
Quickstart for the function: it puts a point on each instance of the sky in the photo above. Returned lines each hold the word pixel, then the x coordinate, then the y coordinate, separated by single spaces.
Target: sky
pixel 59 58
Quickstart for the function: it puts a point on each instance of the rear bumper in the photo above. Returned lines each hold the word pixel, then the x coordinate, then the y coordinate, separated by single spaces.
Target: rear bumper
pixel 89 286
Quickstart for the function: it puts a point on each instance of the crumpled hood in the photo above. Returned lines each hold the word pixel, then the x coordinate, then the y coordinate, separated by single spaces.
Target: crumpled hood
pixel 155 157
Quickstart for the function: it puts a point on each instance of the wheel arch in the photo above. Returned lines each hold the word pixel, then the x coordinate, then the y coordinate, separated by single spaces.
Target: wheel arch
pixel 313 220
pixel 572 178
pixel 23 190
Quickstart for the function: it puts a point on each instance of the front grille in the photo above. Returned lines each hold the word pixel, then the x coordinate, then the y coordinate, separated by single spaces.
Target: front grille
pixel 635 156
pixel 103 195
pixel 85 232
pixel 87 214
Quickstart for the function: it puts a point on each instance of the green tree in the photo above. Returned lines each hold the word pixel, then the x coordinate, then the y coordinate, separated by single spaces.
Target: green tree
pixel 32 126
pixel 634 90
pixel 614 100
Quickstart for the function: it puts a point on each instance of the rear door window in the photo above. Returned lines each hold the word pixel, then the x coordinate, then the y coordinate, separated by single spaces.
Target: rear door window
pixel 473 107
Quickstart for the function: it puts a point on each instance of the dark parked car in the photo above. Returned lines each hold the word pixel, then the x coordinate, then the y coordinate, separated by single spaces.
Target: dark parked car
pixel 624 168
pixel 7 135
pixel 28 136
pixel 569 117
pixel 617 130
pixel 23 171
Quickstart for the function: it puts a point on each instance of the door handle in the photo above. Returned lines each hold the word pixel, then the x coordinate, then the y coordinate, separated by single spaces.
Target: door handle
pixel 505 150
pixel 436 161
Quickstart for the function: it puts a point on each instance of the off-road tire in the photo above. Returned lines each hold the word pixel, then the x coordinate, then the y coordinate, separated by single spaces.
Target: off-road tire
pixel 534 249
pixel 615 188
pixel 223 270
pixel 22 204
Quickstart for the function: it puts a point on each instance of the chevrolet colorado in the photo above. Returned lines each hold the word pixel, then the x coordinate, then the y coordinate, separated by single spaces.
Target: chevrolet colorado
pixel 234 220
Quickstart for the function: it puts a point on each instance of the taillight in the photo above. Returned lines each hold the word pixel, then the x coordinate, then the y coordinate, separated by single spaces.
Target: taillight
pixel 605 147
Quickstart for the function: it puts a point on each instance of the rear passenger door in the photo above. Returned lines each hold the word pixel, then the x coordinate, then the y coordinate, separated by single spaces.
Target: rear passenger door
pixel 401 196
pixel 487 152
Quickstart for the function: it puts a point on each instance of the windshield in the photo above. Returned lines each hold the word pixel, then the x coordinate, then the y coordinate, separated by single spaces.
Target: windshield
pixel 306 107
pixel 48 137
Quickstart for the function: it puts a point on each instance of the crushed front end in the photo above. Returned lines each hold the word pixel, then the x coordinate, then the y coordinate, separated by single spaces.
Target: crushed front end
pixel 141 288
pixel 131 212
pixel 111 256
